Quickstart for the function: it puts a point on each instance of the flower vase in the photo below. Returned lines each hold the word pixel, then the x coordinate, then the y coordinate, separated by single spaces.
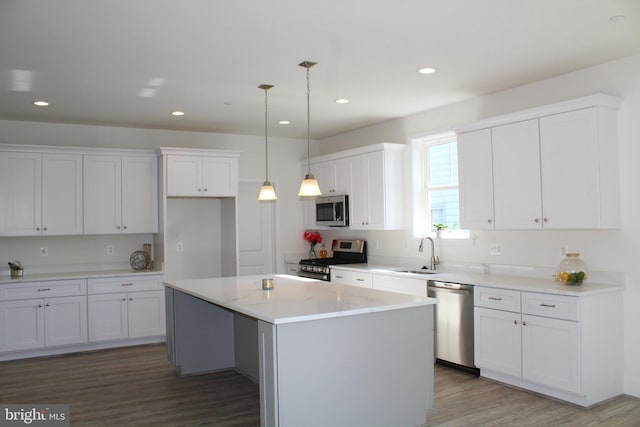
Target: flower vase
pixel 312 251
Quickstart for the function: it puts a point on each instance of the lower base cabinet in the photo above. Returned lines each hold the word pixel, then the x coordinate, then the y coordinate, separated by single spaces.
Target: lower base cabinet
pixel 35 315
pixel 36 323
pixel 114 314
pixel 567 347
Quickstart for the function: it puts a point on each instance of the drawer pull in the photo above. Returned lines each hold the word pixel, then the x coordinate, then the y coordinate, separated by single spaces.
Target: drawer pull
pixel 43 289
pixel 47 305
pixel 127 284
pixel 547 305
pixel 339 277
pixel 360 280
pixel 39 305
pixel 496 298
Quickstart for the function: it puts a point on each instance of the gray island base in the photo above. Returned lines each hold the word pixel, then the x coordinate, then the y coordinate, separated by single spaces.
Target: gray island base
pixel 323 354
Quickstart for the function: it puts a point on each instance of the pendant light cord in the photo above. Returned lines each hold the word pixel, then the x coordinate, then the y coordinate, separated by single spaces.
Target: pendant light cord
pixel 308 125
pixel 266 139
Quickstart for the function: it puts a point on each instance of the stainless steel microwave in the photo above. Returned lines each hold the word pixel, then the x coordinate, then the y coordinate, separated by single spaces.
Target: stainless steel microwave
pixel 332 211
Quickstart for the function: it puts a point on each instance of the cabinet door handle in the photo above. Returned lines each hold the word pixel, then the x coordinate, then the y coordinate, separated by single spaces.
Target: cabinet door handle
pixel 37 228
pixel 545 219
pixel 537 220
pixel 524 323
pixel 117 227
pixel 130 299
pixel 44 228
pixel 205 189
pixel 39 305
pixel 199 189
pixel 515 322
pixel 547 305
pixel 339 277
pixel 495 298
pixel 47 305
pixel 44 289
pixel 489 220
pixel 360 280
pixel 127 284
pixel 125 227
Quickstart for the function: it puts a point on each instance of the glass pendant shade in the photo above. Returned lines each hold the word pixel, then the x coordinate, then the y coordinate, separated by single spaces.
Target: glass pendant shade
pixel 309 186
pixel 267 192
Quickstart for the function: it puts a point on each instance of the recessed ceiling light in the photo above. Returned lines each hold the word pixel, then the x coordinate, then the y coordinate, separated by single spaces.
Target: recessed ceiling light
pixel 177 113
pixel 342 101
pixel 41 103
pixel 284 122
pixel 617 18
pixel 427 70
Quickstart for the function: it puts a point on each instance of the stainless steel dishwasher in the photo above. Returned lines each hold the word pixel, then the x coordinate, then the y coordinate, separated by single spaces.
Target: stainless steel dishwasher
pixel 453 324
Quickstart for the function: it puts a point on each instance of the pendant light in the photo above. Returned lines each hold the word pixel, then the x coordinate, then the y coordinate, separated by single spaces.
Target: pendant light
pixel 267 191
pixel 309 186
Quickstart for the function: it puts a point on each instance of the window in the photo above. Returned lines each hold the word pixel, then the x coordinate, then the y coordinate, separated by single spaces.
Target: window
pixel 435 193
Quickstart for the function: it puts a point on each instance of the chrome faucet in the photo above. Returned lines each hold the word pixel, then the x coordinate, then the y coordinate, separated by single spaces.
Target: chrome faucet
pixel 434 260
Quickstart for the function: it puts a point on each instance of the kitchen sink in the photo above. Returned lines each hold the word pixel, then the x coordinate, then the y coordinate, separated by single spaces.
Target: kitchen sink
pixel 418 271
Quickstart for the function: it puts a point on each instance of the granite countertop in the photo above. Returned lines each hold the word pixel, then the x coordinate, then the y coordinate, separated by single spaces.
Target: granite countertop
pixel 92 274
pixel 294 299
pixel 520 283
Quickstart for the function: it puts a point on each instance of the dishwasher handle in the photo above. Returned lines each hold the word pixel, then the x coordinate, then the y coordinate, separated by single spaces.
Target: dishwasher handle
pixel 449 285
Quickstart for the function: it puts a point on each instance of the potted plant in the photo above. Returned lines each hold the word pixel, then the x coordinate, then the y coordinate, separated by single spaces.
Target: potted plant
pixel 439 227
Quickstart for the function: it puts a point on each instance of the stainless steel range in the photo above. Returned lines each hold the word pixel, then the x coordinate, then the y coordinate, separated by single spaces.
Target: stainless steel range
pixel 344 252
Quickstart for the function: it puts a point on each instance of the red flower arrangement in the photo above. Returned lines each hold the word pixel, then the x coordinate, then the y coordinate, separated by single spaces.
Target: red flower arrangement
pixel 313 237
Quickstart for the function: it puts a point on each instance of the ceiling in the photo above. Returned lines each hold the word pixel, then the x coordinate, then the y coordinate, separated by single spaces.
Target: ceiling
pixel 131 63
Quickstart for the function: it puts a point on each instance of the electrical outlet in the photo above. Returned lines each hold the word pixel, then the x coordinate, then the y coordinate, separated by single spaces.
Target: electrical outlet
pixel 495 249
pixel 563 250
pixel 179 247
pixel 44 251
pixel 109 250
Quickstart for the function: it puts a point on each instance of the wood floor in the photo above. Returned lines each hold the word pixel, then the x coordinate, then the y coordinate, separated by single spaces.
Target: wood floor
pixel 136 386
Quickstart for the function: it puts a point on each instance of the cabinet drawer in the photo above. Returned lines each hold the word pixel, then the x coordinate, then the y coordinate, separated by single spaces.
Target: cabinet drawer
pixel 55 288
pixel 547 305
pixel 124 284
pixel 500 299
pixel 401 285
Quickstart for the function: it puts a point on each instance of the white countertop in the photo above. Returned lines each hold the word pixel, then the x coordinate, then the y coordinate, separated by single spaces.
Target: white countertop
pixel 294 299
pixel 520 283
pixel 41 277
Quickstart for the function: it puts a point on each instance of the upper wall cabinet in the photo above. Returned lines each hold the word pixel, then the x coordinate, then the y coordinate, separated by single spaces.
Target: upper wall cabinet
pixel 372 177
pixel 202 176
pixel 120 194
pixel 554 167
pixel 40 193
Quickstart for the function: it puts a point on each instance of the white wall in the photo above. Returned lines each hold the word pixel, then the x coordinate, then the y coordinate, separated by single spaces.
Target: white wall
pixel 616 250
pixel 284 171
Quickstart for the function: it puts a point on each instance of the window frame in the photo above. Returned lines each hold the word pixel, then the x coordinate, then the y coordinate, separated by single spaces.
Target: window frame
pixel 421 189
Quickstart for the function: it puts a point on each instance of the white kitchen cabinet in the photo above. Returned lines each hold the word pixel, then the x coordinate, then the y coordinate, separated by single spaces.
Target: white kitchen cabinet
pixel 125 307
pixel 120 194
pixel 476 180
pixel 566 347
pixel 40 193
pixel 402 285
pixel 554 167
pixel 31 321
pixel 334 176
pixel 516 176
pixel 202 176
pixel 579 163
pixel 351 277
pixel 376 198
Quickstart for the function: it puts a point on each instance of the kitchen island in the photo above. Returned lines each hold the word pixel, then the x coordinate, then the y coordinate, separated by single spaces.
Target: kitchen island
pixel 323 354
